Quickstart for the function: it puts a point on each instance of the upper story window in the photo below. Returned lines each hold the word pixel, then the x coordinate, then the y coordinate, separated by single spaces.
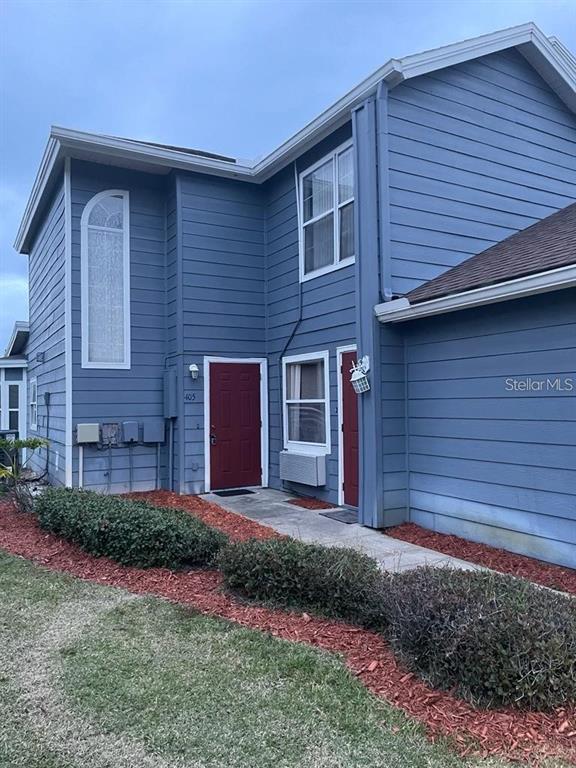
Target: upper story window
pixel 105 275
pixel 326 215
pixel 306 403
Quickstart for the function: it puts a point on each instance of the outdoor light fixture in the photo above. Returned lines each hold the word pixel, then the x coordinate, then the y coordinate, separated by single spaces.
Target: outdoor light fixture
pixel 194 371
pixel 359 378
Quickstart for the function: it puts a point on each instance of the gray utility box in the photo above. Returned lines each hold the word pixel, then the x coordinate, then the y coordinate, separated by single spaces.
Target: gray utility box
pixel 153 431
pixel 130 431
pixel 170 394
pixel 303 468
pixel 87 433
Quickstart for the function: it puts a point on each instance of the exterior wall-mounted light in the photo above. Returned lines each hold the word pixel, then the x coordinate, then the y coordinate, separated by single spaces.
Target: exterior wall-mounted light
pixel 194 370
pixel 359 378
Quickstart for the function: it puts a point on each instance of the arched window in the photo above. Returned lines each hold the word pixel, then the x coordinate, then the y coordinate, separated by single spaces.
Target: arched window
pixel 105 276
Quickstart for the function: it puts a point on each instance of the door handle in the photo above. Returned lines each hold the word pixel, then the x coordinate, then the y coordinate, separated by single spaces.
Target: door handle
pixel 212 439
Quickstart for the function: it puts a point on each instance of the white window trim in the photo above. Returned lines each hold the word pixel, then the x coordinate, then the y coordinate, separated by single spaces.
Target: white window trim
pixel 86 363
pixel 301 447
pixel 337 264
pixel 33 424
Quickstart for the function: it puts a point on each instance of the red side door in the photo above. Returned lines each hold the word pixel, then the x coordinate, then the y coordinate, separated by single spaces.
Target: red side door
pixel 349 432
pixel 235 457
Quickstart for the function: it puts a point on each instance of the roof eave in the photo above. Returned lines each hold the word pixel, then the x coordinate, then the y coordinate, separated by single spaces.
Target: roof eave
pixel 21 328
pixel 13 362
pixel 542 53
pixel 43 175
pixel 401 310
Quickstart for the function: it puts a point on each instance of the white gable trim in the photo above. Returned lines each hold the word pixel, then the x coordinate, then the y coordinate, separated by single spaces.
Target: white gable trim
pixel 547 56
pixel 68 441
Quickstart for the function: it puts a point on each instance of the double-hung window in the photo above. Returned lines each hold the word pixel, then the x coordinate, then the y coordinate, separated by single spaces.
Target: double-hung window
pixel 105 275
pixel 13 406
pixel 33 404
pixel 307 402
pixel 326 214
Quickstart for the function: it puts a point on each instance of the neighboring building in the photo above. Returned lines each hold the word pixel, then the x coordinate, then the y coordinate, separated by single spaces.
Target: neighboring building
pixel 13 384
pixel 205 313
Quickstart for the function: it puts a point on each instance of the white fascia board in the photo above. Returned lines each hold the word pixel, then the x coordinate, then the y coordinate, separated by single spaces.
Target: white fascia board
pixel 112 146
pixel 448 55
pixel 554 63
pixel 8 362
pixel 566 53
pixel 19 327
pixel 400 310
pixel 43 175
pixel 545 55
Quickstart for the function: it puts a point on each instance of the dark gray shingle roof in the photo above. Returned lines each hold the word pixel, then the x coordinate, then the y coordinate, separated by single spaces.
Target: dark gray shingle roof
pixel 548 244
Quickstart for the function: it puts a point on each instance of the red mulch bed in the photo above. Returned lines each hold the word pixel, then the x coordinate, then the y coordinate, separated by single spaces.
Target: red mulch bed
pixel 236 526
pixel 554 576
pixel 311 503
pixel 514 734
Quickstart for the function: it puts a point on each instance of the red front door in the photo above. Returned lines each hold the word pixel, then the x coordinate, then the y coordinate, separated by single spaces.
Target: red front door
pixel 235 457
pixel 349 432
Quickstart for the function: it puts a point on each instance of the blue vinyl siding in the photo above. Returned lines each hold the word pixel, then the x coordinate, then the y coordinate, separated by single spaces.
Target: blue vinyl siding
pixel 449 164
pixel 328 310
pixel 478 151
pixel 221 231
pixel 47 301
pixel 134 394
pixel 393 434
pixel 486 463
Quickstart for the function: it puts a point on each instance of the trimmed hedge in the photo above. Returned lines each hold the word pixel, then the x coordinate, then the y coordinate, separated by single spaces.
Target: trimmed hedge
pixel 330 580
pixel 130 532
pixel 495 639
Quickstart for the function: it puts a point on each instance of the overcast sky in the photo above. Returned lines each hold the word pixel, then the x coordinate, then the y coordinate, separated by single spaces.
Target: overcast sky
pixel 235 77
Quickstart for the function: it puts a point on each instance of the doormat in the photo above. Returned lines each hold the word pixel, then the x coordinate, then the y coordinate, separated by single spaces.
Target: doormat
pixel 347 516
pixel 234 492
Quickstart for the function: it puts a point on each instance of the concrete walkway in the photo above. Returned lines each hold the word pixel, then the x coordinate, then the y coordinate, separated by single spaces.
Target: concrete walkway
pixel 270 508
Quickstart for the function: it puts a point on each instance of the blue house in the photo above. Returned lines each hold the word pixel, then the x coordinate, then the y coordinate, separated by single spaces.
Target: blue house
pixel 195 320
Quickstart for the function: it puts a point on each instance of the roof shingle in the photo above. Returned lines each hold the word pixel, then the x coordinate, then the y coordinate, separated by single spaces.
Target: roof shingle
pixel 548 244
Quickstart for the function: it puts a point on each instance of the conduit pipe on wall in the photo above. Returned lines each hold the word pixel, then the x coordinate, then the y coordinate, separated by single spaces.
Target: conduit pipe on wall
pixel 80 466
pixel 171 455
pixel 299 317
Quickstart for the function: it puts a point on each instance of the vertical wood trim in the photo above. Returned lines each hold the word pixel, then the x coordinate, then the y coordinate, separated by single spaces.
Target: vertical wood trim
pixel 69 448
pixel 382 153
pixel 180 340
pixel 367 326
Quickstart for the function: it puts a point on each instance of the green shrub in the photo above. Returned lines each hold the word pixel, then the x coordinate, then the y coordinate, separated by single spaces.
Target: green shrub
pixel 495 639
pixel 130 532
pixel 329 580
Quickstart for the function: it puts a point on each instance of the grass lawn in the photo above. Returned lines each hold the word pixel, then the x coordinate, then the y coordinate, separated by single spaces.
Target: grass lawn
pixel 91 675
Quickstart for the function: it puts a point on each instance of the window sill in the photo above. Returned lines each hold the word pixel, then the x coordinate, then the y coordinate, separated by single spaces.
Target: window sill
pixel 307 449
pixel 327 270
pixel 107 366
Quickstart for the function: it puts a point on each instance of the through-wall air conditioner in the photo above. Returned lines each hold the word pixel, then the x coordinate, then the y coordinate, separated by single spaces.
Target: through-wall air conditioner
pixel 303 468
